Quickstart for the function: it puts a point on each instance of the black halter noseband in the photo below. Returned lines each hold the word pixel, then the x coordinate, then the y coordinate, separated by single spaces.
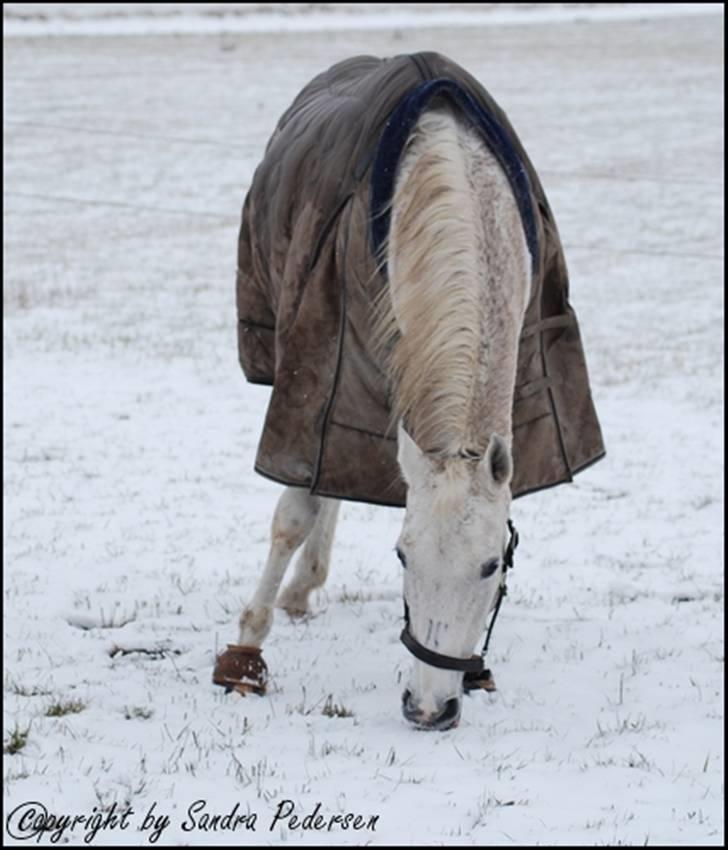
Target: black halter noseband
pixel 473 667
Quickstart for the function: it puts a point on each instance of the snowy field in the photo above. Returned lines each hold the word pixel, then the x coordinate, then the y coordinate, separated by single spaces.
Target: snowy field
pixel 135 527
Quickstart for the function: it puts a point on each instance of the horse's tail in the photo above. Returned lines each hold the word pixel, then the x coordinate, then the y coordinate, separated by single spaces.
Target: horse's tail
pixel 455 243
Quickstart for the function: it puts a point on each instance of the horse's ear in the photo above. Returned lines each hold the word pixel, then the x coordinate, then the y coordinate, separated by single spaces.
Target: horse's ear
pixel 497 460
pixel 409 455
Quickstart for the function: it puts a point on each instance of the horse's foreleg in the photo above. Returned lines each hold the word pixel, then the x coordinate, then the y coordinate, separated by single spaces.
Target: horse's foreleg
pixel 312 566
pixel 294 518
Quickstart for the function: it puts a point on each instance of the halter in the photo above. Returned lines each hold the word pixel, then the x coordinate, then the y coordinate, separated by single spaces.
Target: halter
pixel 473 667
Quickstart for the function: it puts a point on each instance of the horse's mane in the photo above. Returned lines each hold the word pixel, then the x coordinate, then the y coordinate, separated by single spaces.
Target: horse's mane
pixel 457 262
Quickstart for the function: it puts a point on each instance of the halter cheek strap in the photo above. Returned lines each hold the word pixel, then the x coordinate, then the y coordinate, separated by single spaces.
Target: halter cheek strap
pixel 473 667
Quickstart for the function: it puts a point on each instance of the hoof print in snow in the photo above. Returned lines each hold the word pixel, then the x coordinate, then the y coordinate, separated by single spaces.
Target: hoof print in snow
pixel 241 669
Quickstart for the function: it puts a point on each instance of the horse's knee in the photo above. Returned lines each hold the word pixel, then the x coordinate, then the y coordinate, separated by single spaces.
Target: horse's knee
pixel 294 518
pixel 288 535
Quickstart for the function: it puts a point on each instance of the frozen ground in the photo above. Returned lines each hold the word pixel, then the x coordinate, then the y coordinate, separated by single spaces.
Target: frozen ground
pixel 31 19
pixel 134 521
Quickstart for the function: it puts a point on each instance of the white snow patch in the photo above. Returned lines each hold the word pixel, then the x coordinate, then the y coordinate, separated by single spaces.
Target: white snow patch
pixel 342 17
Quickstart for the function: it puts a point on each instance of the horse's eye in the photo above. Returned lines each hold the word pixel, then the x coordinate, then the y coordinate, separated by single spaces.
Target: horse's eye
pixel 489 567
pixel 400 555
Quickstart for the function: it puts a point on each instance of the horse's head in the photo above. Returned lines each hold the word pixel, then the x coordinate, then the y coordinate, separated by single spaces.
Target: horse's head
pixel 451 546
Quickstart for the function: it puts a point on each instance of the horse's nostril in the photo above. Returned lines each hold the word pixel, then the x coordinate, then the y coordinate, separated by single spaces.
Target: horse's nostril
pixel 410 711
pixel 449 713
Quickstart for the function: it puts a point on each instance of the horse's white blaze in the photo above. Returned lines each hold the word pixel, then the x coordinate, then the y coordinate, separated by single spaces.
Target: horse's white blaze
pixel 455 522
pixel 459 279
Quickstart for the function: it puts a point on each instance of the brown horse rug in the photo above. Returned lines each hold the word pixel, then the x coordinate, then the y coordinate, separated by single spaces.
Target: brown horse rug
pixel 310 267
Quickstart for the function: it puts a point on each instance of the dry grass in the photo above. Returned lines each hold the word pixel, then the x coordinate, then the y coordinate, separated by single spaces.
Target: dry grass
pixel 62 708
pixel 17 739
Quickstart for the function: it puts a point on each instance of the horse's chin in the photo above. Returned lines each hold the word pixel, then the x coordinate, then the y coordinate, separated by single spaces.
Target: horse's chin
pixel 438 727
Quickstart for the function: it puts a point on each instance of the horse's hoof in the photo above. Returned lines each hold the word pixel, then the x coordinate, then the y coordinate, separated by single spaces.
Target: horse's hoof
pixel 241 669
pixel 479 681
pixel 295 606
pixel 296 613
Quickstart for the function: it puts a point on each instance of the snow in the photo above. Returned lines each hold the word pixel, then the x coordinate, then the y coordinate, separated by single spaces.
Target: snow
pixel 134 520
pixel 113 19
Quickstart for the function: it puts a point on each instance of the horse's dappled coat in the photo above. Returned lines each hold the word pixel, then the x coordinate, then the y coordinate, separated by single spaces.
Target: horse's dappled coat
pixel 309 273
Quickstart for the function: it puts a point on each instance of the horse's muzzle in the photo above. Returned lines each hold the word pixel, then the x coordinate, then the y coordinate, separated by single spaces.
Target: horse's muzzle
pixel 445 718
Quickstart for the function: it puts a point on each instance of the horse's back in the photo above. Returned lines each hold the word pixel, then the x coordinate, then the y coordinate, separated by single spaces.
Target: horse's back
pixel 310 269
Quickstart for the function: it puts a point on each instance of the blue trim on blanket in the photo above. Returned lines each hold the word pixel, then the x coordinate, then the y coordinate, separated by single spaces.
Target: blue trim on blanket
pixel 397 130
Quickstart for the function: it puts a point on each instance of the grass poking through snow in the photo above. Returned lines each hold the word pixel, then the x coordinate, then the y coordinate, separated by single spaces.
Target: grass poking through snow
pixel 61 708
pixel 17 739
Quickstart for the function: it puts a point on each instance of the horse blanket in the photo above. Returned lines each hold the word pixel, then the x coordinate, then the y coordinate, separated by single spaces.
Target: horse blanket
pixel 310 269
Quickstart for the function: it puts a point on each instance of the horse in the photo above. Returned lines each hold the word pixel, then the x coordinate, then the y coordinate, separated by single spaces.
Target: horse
pixel 456 262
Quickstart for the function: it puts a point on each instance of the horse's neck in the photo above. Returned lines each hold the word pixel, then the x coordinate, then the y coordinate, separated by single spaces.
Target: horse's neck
pixel 458 285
